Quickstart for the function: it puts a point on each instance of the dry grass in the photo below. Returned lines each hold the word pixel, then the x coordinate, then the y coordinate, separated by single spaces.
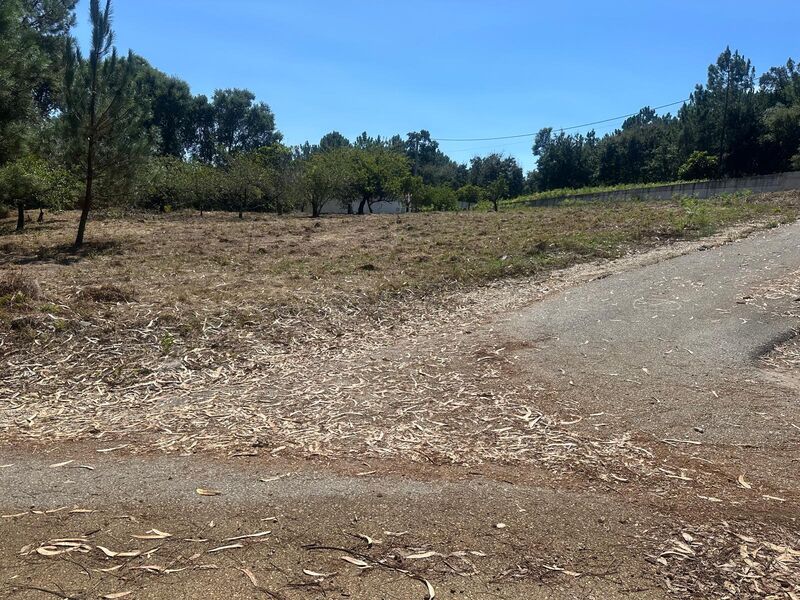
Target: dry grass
pixel 340 336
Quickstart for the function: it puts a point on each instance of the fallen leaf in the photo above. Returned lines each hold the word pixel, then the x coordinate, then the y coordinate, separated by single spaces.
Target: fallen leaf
pixel 116 595
pixel 110 569
pixel 744 484
pixel 114 448
pixel 112 554
pixel 369 540
pixel 150 568
pixel 249 535
pixel 228 547
pixel 429 587
pixel 153 534
pixel 776 498
pixel 316 574
pixel 205 492
pixel 357 562
pixel 250 575
pixel 427 554
pixel 62 464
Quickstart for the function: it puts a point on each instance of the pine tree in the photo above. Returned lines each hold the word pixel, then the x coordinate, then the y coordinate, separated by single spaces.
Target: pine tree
pixel 102 116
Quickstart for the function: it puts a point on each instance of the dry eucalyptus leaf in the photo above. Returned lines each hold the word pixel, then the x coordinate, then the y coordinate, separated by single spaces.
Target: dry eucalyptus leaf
pixel 112 554
pixel 249 535
pixel 744 484
pixel 228 547
pixel 361 564
pixel 153 534
pixel 104 450
pixel 316 574
pixel 250 575
pixel 427 554
pixel 116 595
pixel 205 492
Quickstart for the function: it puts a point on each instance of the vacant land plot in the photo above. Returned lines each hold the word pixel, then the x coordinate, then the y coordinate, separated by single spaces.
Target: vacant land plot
pixel 286 342
pixel 178 323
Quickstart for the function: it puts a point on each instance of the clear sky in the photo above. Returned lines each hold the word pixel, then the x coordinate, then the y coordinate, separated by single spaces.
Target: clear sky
pixel 459 68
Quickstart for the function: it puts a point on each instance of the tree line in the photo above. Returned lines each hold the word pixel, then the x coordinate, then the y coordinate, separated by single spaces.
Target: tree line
pixel 734 125
pixel 82 131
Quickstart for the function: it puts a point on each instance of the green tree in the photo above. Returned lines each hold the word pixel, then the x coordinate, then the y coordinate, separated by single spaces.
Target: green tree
pixel 169 109
pixel 240 123
pixel 33 34
pixel 377 173
pixel 470 195
pixel 700 165
pixel 333 140
pixel 102 115
pixel 325 177
pixel 497 191
pixel 30 182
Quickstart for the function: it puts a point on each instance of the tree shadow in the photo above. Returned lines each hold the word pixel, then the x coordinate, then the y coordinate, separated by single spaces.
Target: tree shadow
pixel 61 254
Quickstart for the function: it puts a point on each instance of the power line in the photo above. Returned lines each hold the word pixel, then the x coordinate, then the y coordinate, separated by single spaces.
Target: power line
pixel 523 135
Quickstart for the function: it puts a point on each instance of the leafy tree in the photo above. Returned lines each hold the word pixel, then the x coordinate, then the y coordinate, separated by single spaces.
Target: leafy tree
pixel 440 198
pixel 486 170
pixel 497 191
pixel 410 187
pixel 247 183
pixel 284 174
pixel 240 123
pixel 102 116
pixel 325 177
pixel 470 195
pixel 30 182
pixel 169 110
pixel 167 181
pixel 700 165
pixel 376 174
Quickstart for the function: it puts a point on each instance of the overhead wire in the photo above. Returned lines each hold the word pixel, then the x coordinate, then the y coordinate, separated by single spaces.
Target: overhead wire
pixel 571 127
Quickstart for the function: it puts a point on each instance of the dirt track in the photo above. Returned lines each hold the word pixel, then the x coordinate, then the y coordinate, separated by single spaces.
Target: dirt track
pixel 568 452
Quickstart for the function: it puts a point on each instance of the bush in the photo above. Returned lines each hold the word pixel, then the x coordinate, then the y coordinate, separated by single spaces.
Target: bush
pixel 699 165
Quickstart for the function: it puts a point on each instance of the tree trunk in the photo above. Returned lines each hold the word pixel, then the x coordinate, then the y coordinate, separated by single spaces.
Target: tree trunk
pixel 87 199
pixel 40 220
pixel 361 206
pixel 496 205
pixel 316 210
pixel 20 216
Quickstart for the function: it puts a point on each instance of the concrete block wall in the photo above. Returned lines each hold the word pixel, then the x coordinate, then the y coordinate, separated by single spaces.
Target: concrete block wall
pixel 702 190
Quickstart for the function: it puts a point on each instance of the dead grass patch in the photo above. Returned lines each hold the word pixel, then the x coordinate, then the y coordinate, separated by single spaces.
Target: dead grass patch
pixel 15 283
pixel 347 338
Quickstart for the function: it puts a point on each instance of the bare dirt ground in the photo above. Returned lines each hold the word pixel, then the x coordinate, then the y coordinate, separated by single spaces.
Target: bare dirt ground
pixel 475 448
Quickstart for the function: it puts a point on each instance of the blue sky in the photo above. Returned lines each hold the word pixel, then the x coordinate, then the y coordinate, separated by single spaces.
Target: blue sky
pixel 459 68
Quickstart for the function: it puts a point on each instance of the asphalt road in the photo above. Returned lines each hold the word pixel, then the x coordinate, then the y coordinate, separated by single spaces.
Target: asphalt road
pixel 672 348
